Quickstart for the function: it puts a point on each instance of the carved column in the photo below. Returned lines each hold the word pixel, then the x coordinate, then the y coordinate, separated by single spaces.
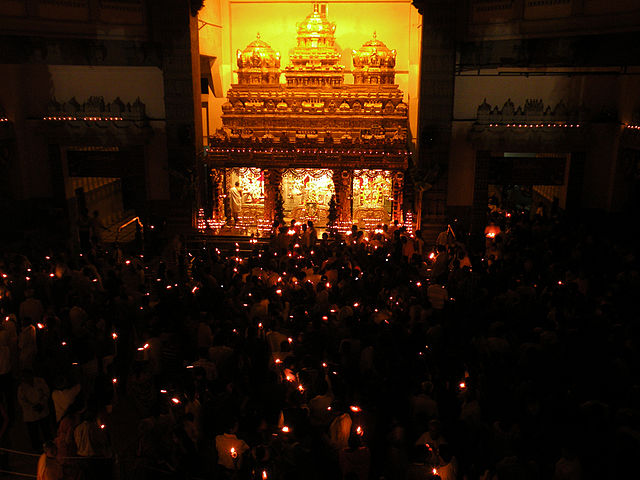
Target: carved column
pixel 398 188
pixel 217 193
pixel 272 181
pixel 342 183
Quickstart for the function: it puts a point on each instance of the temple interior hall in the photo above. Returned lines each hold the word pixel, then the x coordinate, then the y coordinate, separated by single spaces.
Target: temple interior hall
pixel 318 240
pixel 136 108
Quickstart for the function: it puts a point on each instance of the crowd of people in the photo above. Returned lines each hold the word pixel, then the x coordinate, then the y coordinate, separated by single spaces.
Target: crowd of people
pixel 357 356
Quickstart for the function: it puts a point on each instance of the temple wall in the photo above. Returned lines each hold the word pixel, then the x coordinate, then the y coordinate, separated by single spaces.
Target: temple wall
pixel 607 100
pixel 84 81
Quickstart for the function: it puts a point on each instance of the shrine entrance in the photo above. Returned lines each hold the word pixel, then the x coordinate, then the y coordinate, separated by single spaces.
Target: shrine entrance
pixel 372 197
pixel 251 182
pixel 306 193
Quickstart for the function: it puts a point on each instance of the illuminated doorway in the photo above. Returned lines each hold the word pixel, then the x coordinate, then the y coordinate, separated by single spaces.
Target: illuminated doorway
pixel 306 193
pixel 372 197
pixel 251 182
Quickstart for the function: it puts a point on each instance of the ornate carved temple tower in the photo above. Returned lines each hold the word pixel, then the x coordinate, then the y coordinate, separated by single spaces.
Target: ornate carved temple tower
pixel 313 136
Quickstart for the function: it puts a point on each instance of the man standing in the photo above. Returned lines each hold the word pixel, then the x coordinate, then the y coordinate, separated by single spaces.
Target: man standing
pixel 235 197
pixel 33 395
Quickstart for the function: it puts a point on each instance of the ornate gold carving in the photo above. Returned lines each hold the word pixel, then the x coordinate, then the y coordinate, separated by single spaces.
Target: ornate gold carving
pixel 258 63
pixel 374 63
pixel 314 61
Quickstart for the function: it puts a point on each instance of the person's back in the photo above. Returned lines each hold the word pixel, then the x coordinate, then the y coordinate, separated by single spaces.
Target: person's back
pixel 48 466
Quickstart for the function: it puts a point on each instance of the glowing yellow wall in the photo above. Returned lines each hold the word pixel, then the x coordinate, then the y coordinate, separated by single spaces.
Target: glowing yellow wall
pixel 397 24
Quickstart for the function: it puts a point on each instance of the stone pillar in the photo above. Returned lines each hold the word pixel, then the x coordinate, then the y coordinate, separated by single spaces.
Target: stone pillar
pixel 398 188
pixel 175 28
pixel 480 198
pixel 342 180
pixel 217 193
pixel 437 81
pixel 272 181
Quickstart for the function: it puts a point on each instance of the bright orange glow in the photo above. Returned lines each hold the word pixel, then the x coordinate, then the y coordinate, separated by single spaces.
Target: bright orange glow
pixel 355 408
pixel 175 400
pixel 40 326
pixel 233 453
pixel 463 385
pixel 264 475
pixel 359 431
pixel 285 429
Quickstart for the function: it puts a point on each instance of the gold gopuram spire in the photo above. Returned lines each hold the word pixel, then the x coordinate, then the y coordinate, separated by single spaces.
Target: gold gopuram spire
pixel 315 59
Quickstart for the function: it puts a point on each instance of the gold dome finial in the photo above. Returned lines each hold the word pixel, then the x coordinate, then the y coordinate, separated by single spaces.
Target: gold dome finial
pixel 374 63
pixel 315 59
pixel 258 63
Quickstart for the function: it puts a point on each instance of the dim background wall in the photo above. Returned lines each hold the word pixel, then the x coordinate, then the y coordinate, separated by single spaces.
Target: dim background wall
pixel 232 25
pixel 607 101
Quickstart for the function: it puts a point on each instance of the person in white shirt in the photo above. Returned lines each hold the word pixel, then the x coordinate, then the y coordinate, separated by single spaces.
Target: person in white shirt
pixel 235 200
pixel 31 307
pixel 27 345
pixel 33 396
pixel 448 467
pixel 63 397
pixel 48 466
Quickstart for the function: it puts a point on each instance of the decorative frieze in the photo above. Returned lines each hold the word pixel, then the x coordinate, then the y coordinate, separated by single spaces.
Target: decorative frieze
pixel 94 109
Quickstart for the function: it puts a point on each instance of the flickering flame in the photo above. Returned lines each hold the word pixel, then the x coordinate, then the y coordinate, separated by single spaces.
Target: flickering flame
pixel 285 429
pixel 279 291
pixel 290 340
pixel 102 425
pixel 114 335
pixel 432 256
pixel 489 235
pixel 359 431
pixel 463 385
pixel 114 380
pixel 40 326
pixel 355 408
pixel 175 400
pixel 233 453
pixel 434 471
pixel 264 475
pixel 278 361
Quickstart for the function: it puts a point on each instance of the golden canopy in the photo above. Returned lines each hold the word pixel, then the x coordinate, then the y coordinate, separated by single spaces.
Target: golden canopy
pixel 374 62
pixel 258 54
pixel 258 63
